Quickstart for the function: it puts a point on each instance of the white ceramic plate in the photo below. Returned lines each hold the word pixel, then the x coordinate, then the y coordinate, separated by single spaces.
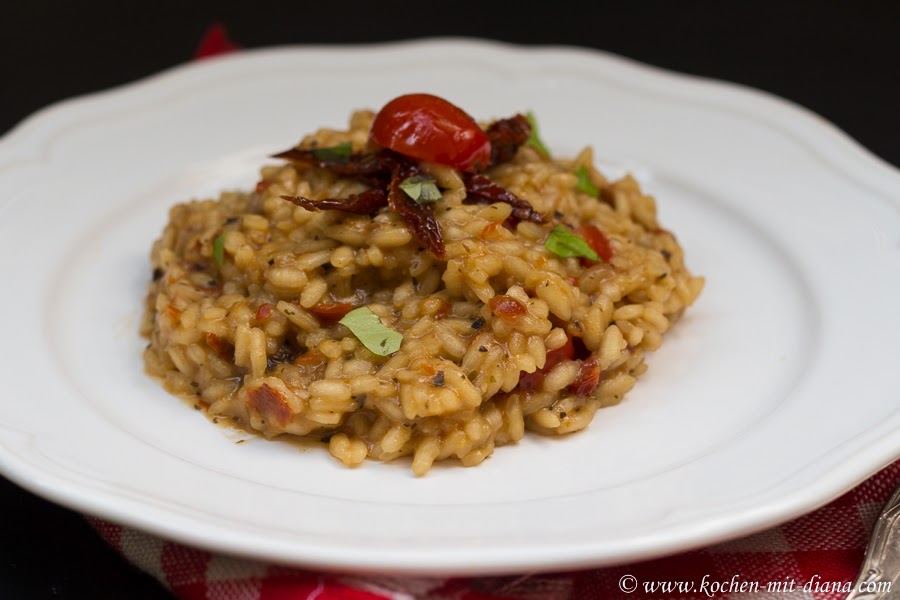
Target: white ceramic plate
pixel 776 393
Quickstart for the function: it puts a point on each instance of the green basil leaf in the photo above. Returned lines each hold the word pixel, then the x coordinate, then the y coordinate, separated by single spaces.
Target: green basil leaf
pixel 373 334
pixel 535 140
pixel 219 248
pixel 584 182
pixel 421 188
pixel 338 153
pixel 566 244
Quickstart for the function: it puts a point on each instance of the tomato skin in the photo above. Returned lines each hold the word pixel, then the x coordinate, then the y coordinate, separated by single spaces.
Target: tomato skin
pixel 331 313
pixel 427 127
pixel 588 378
pixel 507 308
pixel 598 242
pixel 532 382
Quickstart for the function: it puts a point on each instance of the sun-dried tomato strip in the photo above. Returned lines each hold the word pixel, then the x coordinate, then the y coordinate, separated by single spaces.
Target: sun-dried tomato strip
pixel 264 312
pixel 480 189
pixel 371 167
pixel 419 218
pixel 588 378
pixel 269 402
pixel 365 203
pixel 506 136
pixel 220 346
pixel 331 313
pixel 507 307
pixel 598 242
pixel 532 382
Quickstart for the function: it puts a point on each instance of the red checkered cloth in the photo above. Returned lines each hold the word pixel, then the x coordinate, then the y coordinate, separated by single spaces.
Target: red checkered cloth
pixel 815 557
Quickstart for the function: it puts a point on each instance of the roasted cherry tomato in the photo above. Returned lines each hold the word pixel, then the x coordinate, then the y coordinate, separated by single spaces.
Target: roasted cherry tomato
pixel 429 128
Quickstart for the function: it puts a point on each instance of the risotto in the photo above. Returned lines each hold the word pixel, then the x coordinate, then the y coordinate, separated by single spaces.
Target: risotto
pixel 393 297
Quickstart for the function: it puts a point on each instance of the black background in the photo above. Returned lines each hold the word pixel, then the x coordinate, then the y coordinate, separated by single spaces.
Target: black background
pixel 841 60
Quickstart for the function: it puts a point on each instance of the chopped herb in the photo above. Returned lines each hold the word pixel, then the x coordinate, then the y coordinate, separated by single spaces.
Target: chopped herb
pixel 373 334
pixel 584 182
pixel 477 323
pixel 421 188
pixel 438 380
pixel 338 153
pixel 535 140
pixel 566 244
pixel 219 248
